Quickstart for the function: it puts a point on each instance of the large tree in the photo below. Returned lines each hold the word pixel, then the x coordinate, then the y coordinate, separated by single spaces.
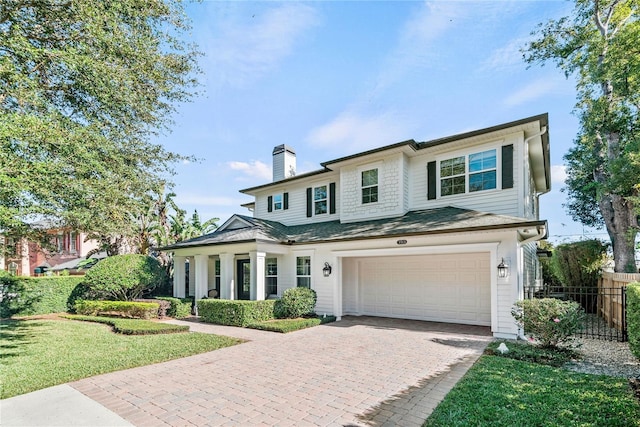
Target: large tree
pixel 84 87
pixel 599 44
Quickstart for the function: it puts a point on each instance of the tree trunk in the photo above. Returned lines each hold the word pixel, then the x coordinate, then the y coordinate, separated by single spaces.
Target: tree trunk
pixel 622 226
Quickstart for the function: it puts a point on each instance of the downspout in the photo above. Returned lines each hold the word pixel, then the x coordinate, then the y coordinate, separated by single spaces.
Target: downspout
pixel 541 234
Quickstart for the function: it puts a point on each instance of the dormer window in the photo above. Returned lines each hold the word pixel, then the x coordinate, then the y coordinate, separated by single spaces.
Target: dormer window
pixel 369 181
pixel 477 169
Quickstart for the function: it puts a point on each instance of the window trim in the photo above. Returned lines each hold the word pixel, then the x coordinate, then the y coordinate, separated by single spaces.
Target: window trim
pixel 267 275
pixel 494 145
pixel 275 202
pixel 301 254
pixel 364 168
pixel 314 201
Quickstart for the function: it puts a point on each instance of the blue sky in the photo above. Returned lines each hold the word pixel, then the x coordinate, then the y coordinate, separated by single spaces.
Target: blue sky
pixel 335 78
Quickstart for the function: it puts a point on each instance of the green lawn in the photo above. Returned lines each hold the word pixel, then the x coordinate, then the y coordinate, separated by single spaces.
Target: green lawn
pixel 40 353
pixel 498 391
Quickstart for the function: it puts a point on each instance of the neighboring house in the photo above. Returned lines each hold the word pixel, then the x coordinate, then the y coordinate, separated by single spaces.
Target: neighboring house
pixel 443 230
pixel 27 258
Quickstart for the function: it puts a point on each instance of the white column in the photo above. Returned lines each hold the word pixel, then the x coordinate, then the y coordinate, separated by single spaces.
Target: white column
pixel 227 285
pixel 257 275
pixel 336 277
pixel 192 276
pixel 178 276
pixel 202 276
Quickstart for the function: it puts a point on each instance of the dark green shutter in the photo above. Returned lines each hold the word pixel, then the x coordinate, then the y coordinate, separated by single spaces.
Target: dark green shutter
pixel 269 203
pixel 431 180
pixel 507 166
pixel 332 198
pixel 285 202
pixel 309 203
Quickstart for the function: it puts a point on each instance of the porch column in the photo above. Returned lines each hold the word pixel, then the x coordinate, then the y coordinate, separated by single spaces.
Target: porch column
pixel 192 276
pixel 202 276
pixel 257 275
pixel 178 276
pixel 337 287
pixel 227 288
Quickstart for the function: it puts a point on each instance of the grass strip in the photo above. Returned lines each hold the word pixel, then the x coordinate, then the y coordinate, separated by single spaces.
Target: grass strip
pixel 290 325
pixel 132 326
pixel 498 391
pixel 41 353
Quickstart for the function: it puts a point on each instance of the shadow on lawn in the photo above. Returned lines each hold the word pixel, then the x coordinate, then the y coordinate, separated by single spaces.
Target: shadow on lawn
pixel 16 335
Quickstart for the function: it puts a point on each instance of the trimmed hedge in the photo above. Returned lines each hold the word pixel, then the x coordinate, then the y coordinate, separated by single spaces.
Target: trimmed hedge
pixel 163 305
pixel 137 310
pixel 27 296
pixel 633 317
pixel 235 312
pixel 180 307
pixel 133 326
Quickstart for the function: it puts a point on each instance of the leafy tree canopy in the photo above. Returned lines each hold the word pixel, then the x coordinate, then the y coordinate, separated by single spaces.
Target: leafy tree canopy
pixel 84 85
pixel 599 44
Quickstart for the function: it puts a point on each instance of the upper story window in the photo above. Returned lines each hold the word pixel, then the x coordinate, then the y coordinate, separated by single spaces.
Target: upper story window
pixel 369 180
pixel 303 271
pixel 320 200
pixel 477 169
pixel 277 202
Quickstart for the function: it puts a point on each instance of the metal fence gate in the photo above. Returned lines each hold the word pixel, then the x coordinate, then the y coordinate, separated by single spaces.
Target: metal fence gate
pixel 605 309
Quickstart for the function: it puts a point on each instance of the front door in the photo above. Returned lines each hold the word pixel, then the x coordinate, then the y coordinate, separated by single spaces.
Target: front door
pixel 244 279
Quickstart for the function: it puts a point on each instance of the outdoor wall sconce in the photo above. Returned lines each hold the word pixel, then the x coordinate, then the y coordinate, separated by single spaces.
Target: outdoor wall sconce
pixel 503 269
pixel 326 270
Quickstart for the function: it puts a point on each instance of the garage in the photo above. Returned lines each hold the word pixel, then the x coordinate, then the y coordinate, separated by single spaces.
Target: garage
pixel 453 288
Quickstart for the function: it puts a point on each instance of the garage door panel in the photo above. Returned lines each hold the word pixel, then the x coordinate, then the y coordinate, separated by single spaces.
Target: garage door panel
pixel 446 287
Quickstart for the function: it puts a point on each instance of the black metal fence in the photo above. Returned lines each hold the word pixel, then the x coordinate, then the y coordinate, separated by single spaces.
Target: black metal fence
pixel 605 309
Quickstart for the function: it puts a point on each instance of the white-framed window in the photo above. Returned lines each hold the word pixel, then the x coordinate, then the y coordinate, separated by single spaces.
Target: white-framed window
pixel 60 242
pixel 216 274
pixel 320 202
pixel 469 173
pixel 303 272
pixel 271 275
pixel 72 242
pixel 482 171
pixel 277 202
pixel 369 185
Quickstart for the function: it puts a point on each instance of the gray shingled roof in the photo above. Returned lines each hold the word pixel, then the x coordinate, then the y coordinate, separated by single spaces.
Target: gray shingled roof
pixel 428 221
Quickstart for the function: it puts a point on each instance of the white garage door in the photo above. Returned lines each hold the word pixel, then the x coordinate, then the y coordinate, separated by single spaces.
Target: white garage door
pixel 453 288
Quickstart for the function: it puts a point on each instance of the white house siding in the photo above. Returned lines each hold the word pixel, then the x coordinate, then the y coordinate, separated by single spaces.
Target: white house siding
pixel 391 188
pixel 296 214
pixel 498 201
pixel 531 262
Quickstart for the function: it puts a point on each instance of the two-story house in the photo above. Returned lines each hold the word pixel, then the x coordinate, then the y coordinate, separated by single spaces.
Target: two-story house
pixel 68 247
pixel 443 230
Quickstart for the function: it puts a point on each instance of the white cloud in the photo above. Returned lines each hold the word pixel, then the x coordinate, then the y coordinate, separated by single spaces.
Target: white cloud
pixel 254 169
pixel 353 132
pixel 244 49
pixel 534 90
pixel 506 57
pixel 558 174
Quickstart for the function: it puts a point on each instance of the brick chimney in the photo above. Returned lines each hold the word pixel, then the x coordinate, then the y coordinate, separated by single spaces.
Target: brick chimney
pixel 284 162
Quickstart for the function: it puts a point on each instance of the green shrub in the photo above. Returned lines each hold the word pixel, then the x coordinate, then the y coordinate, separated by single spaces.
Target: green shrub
pixel 133 326
pixel 548 321
pixel 236 312
pixel 125 277
pixel 526 352
pixel 138 310
pixel 290 325
pixel 180 307
pixel 296 302
pixel 633 317
pixel 26 296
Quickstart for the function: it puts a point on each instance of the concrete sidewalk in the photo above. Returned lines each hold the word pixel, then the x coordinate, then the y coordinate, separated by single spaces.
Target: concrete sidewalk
pixel 61 405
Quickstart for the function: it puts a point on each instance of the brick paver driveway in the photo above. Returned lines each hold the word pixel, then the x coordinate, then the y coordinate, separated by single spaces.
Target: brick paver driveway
pixel 359 371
